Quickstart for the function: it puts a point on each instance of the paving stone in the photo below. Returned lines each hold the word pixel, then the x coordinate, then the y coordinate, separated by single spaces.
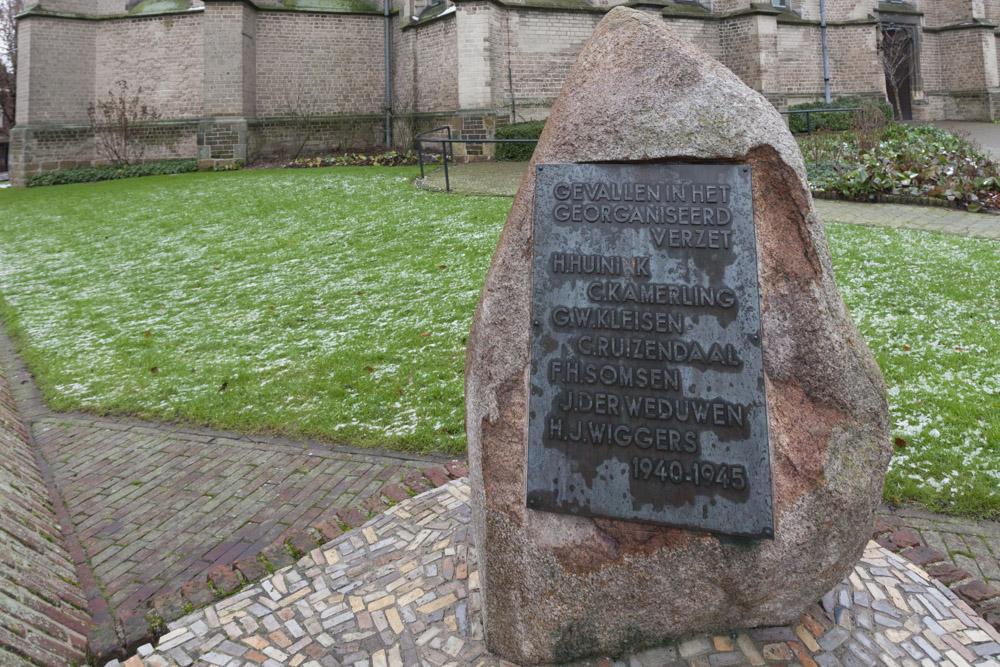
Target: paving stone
pixel 373 505
pixel 773 634
pixel 169 606
pixel 947 573
pixel 833 639
pixel 456 469
pixel 976 592
pixel 720 659
pixel 102 644
pixel 885 525
pixel 206 497
pixel 328 530
pixel 251 569
pixel 277 555
pixel 903 539
pixel 989 648
pixel 395 493
pixel 224 579
pixel 436 476
pixel 694 647
pixel 136 630
pixel 923 555
pixel 777 651
pixel 300 542
pixel 407 606
pixel 351 516
pixel 417 482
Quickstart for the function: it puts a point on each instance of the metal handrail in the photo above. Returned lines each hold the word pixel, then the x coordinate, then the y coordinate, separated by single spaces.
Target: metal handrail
pixel 811 111
pixel 419 139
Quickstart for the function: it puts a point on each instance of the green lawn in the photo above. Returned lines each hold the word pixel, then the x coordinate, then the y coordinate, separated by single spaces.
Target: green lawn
pixel 929 306
pixel 334 303
pixel 331 303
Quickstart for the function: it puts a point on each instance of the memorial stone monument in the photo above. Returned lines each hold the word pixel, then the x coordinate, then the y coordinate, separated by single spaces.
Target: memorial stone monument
pixel 674 426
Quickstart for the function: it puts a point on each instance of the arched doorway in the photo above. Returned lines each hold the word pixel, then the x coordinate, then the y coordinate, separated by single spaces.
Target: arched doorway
pixel 897 55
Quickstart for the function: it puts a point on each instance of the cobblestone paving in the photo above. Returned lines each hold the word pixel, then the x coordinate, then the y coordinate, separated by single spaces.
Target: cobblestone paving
pixel 404 590
pixel 504 178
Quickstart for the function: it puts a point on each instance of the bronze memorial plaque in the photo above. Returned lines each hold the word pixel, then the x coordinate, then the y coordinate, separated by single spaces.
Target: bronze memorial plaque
pixel 647 384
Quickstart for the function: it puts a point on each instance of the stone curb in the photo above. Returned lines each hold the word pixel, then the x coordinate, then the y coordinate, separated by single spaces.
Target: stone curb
pixel 909 200
pixel 131 630
pixel 981 596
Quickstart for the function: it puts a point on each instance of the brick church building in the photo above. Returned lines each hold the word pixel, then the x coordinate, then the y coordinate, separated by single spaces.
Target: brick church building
pixel 234 79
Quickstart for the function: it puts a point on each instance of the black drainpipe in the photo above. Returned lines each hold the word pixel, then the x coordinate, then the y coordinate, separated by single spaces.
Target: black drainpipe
pixel 826 56
pixel 388 80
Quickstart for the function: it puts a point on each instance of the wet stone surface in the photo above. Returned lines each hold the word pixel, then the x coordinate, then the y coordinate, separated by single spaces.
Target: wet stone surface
pixel 404 590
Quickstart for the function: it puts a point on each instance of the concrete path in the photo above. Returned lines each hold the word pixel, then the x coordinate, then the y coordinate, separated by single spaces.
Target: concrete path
pixel 504 178
pixel 157 506
pixel 987 135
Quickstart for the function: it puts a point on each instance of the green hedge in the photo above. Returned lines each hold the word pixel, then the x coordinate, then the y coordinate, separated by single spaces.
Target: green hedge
pixel 838 121
pixel 517 152
pixel 112 172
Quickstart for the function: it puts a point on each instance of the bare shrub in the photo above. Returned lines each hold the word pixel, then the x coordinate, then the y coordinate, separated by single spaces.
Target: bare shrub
pixel 117 121
pixel 869 125
pixel 894 48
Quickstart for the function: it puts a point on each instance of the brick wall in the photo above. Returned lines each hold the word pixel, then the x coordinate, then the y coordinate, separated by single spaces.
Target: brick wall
pixel 957 67
pixel 224 58
pixel 854 67
pixel 836 10
pixel 703 33
pixel 726 6
pixel 319 64
pixel 248 34
pixel 942 52
pixel 403 65
pixel 545 45
pixel 991 10
pixel 738 44
pixel 435 66
pixel 59 54
pixel 91 7
pixel 163 54
pixel 235 63
pixel 35 149
pixel 42 617
pixel 473 28
pixel 285 138
pixel 800 60
pixel 949 12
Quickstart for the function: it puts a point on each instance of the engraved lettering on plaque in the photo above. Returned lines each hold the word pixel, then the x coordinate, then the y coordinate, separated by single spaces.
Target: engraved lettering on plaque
pixel 647 386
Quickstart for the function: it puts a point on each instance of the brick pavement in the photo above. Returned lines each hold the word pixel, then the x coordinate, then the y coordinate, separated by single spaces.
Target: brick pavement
pixel 970 544
pixel 157 506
